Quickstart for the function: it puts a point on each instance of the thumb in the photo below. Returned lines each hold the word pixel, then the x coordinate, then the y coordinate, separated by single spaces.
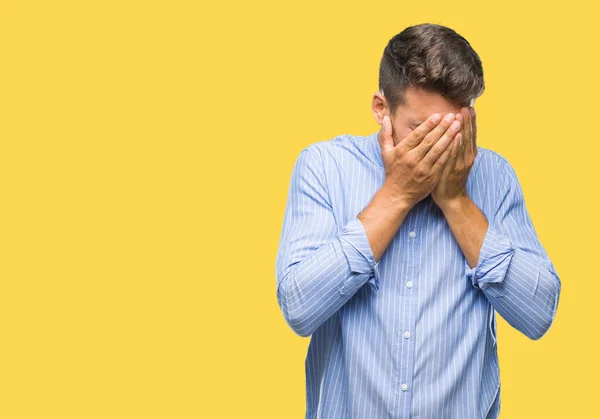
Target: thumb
pixel 386 141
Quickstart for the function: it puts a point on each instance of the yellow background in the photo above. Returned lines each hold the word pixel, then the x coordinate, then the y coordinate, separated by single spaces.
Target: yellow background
pixel 146 153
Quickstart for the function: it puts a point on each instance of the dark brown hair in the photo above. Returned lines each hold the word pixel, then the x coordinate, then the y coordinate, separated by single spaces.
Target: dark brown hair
pixel 430 57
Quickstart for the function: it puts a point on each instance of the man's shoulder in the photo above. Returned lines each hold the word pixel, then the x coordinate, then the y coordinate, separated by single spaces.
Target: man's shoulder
pixel 489 161
pixel 343 149
pixel 337 143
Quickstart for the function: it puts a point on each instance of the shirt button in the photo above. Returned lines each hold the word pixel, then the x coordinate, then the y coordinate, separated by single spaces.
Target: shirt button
pixel 412 234
pixel 403 387
pixel 407 334
pixel 409 284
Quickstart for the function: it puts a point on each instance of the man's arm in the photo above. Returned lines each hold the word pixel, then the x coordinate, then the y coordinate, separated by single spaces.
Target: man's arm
pixel 382 218
pixel 509 263
pixel 318 269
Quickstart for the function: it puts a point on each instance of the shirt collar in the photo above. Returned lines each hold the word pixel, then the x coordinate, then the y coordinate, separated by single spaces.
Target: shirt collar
pixel 374 148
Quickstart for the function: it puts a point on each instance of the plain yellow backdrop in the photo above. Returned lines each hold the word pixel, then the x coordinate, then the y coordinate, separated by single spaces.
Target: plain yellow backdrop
pixel 146 153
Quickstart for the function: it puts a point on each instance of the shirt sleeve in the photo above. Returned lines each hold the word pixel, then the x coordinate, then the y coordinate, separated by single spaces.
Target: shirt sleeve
pixel 318 268
pixel 514 270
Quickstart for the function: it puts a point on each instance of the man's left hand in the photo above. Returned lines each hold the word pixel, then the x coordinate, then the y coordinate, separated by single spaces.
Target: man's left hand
pixel 452 186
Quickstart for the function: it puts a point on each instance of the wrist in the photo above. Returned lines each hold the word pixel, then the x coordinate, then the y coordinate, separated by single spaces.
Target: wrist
pixel 395 198
pixel 455 204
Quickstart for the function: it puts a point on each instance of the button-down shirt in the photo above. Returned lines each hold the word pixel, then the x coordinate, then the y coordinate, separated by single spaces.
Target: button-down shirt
pixel 412 335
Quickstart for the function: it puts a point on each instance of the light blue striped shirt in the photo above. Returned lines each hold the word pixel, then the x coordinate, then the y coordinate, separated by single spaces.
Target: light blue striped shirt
pixel 413 335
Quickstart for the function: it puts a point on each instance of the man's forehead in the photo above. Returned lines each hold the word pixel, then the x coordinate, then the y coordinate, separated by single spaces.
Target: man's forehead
pixel 421 116
pixel 420 105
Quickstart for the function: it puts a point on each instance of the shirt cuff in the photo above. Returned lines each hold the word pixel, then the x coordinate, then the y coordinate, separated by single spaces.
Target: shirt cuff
pixel 356 247
pixel 494 259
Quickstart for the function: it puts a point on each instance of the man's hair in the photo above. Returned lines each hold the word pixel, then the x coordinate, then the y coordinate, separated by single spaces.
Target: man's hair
pixel 433 58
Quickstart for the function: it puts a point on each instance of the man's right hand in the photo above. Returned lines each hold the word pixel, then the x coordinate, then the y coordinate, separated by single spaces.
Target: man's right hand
pixel 413 167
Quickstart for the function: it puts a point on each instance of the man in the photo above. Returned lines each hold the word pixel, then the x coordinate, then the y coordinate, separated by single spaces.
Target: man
pixel 398 248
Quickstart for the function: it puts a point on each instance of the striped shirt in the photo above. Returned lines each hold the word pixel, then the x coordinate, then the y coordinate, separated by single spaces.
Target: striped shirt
pixel 414 334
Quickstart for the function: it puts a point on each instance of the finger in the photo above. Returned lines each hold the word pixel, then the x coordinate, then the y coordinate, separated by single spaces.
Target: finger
pixel 441 144
pixel 460 117
pixel 445 163
pixel 456 146
pixel 466 146
pixel 432 138
pixel 414 138
pixel 454 153
pixel 474 129
pixel 469 144
pixel 386 139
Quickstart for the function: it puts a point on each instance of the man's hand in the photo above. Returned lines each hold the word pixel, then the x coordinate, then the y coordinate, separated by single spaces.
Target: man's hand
pixel 413 167
pixel 452 186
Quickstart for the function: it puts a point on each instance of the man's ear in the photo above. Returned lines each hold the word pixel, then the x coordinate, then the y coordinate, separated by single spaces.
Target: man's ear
pixel 379 107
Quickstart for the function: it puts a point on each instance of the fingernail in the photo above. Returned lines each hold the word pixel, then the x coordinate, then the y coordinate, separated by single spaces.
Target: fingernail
pixel 435 118
pixel 449 117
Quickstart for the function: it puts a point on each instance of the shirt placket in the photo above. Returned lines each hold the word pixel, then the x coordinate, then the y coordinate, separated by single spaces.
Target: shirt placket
pixel 406 333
